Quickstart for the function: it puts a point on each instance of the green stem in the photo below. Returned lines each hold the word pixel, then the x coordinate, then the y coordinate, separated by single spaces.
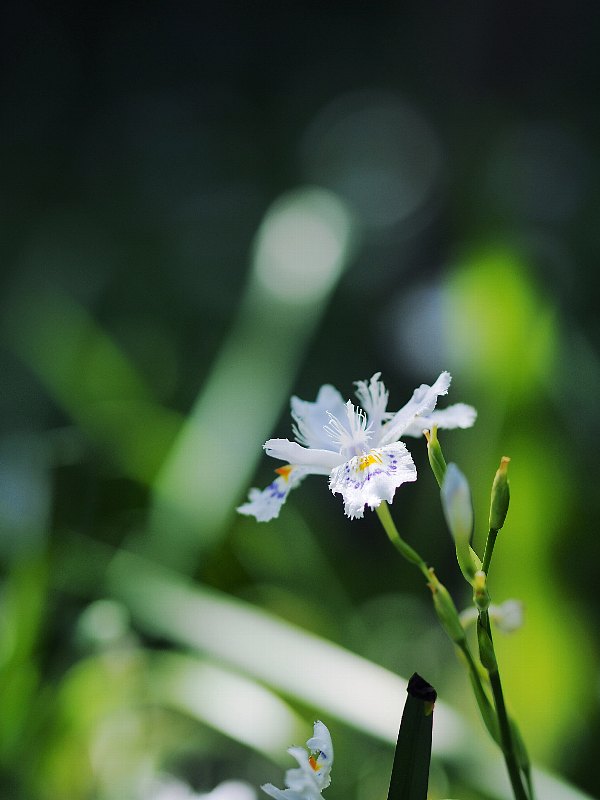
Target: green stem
pixel 489 549
pixel 506 731
pixel 405 550
pixel 512 765
pixel 506 737
pixel 485 707
pixel 483 702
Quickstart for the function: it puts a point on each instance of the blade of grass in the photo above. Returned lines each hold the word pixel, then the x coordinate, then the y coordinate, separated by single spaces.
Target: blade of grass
pixel 410 772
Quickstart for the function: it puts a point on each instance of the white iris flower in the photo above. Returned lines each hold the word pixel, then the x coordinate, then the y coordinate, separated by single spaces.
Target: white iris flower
pixel 313 773
pixel 357 447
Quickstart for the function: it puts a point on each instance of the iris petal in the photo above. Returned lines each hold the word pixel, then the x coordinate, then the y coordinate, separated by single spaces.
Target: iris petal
pixel 422 402
pixel 460 415
pixel 266 504
pixel 369 479
pixel 317 462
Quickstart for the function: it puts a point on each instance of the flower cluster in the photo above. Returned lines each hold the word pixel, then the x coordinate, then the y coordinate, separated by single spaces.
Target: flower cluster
pixel 313 773
pixel 359 448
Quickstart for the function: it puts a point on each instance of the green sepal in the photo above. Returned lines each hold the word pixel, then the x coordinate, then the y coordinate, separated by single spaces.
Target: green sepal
pixel 487 656
pixel 475 559
pixel 500 499
pixel 436 457
pixel 446 610
pixel 468 560
pixel 410 771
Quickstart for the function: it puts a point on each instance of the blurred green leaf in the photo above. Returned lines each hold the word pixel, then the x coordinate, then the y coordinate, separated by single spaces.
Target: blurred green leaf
pixel 23 609
pixel 92 380
pixel 298 664
pixel 300 251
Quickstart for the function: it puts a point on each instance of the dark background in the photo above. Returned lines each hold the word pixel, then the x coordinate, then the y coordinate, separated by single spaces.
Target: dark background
pixel 142 146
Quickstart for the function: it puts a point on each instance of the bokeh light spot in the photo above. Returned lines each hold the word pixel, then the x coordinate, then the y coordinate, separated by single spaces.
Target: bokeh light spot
pixel 377 152
pixel 302 245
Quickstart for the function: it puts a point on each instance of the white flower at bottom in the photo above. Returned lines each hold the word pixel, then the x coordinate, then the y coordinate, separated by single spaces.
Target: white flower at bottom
pixel 313 773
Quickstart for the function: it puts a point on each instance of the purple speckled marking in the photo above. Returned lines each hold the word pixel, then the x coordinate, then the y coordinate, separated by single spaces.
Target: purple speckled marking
pixel 274 491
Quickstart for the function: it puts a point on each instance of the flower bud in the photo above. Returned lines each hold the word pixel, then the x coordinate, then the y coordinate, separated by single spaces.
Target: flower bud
pixel 436 457
pixel 446 610
pixel 458 511
pixel 500 495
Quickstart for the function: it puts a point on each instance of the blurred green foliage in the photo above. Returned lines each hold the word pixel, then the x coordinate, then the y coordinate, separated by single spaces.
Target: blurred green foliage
pixel 206 209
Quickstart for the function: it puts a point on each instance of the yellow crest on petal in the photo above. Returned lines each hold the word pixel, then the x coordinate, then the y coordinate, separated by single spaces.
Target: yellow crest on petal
pixel 366 460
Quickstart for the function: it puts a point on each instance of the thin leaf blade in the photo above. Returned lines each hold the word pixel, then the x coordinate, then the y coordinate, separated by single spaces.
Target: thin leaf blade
pixel 410 771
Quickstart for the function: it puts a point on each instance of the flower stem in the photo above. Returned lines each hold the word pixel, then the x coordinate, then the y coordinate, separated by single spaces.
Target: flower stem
pixel 483 702
pixel 498 725
pixel 506 736
pixel 486 709
pixel 405 550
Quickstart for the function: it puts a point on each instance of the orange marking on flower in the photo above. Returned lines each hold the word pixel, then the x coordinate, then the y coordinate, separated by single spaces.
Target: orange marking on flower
pixel 313 762
pixel 284 471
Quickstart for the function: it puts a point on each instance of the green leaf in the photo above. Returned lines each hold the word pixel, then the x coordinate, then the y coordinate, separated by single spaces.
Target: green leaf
pixel 410 772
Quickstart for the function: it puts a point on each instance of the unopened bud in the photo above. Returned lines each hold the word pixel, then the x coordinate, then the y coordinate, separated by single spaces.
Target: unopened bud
pixel 446 610
pixel 500 495
pixel 458 511
pixel 457 505
pixel 436 457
